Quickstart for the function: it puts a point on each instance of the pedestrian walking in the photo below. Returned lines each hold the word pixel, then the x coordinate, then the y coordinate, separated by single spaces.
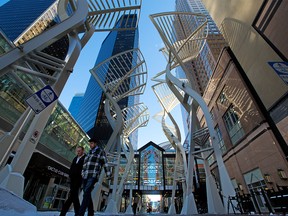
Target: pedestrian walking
pixel 134 208
pixel 93 163
pixel 75 182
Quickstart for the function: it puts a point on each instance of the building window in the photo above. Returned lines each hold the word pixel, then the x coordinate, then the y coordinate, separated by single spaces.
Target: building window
pixel 212 114
pixel 233 125
pixel 221 141
pixel 222 98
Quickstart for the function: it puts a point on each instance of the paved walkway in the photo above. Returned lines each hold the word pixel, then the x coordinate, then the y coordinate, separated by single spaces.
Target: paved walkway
pixel 139 214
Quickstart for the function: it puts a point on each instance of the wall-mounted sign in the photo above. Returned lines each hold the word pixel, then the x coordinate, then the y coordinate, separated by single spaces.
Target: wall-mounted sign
pixel 281 68
pixel 41 99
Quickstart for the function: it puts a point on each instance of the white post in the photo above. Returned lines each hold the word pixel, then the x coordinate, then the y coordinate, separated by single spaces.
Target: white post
pixel 129 209
pixel 172 209
pixel 214 202
pixel 9 139
pixel 14 180
pixel 189 206
pixel 112 204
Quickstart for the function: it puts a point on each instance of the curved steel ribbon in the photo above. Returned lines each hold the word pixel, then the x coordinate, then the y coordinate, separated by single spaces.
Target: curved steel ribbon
pixel 184 35
pixel 122 75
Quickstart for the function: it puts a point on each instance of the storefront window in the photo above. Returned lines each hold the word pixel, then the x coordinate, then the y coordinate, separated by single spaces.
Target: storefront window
pixel 61 134
pixel 256 185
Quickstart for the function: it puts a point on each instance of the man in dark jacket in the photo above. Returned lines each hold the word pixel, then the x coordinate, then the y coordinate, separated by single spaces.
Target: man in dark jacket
pixel 93 163
pixel 75 182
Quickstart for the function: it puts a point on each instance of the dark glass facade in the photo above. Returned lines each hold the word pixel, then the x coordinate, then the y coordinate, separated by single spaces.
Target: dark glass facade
pixel 91 115
pixel 15 18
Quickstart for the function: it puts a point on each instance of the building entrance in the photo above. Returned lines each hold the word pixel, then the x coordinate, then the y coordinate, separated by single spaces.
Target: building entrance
pixel 151 203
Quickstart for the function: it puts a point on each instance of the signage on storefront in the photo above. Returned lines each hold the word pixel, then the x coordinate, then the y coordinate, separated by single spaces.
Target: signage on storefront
pixel 41 99
pixel 59 172
pixel 281 68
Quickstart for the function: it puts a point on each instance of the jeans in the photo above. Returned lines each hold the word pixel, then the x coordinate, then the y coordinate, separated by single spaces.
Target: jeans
pixel 88 185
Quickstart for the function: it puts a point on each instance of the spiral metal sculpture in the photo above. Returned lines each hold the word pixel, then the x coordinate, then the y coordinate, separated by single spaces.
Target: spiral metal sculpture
pixel 122 75
pixel 168 102
pixel 30 58
pixel 184 35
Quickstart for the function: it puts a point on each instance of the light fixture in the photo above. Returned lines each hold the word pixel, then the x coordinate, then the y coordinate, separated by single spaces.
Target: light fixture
pixel 240 187
pixel 267 178
pixel 282 174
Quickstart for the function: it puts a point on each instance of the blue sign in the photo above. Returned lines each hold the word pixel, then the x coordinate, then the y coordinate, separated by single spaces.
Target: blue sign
pixel 42 99
pixel 281 68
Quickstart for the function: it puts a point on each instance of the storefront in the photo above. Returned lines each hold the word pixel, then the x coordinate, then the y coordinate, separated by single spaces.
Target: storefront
pixel 46 184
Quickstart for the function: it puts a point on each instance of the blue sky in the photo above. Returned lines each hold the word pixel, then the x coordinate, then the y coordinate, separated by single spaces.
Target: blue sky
pixel 3 2
pixel 150 43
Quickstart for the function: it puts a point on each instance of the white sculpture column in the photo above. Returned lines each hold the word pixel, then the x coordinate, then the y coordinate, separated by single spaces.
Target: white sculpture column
pixel 189 206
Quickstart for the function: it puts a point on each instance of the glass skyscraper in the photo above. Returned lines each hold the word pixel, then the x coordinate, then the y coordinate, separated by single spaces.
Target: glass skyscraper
pixel 202 67
pixel 75 104
pixel 15 18
pixel 22 22
pixel 91 115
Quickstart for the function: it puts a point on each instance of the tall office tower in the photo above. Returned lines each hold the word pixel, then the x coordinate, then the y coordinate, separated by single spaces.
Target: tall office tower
pixel 76 104
pixel 21 22
pixel 16 16
pixel 91 115
pixel 202 67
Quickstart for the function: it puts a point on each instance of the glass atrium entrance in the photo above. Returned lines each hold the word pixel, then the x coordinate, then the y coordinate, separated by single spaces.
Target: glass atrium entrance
pixel 151 180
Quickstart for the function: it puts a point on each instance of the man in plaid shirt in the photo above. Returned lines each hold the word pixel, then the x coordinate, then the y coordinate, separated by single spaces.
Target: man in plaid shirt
pixel 93 163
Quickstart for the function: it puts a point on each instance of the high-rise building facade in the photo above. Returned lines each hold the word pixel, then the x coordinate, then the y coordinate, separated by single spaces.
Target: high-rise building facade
pixel 15 18
pixel 22 22
pixel 76 104
pixel 253 39
pixel 91 115
pixel 249 107
pixel 202 67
